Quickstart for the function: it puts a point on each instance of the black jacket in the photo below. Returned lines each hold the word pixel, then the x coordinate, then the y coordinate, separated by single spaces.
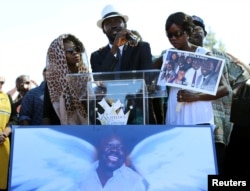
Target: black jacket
pixel 133 58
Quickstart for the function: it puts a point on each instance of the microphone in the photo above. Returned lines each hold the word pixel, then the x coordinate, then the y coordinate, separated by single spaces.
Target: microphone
pixel 133 39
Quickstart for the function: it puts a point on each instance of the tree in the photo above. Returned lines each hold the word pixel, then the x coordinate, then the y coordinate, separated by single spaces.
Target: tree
pixel 211 42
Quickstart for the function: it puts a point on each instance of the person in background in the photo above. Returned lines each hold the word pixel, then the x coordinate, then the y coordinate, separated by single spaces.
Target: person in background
pixel 181 64
pixel 23 85
pixel 235 73
pixel 168 74
pixel 61 102
pixel 208 78
pixel 12 92
pixel 180 77
pixel 125 51
pixel 7 119
pixel 32 105
pixel 236 70
pixel 193 72
pixel 188 62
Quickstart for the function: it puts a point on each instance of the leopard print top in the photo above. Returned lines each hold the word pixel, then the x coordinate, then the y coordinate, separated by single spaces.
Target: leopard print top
pixel 57 81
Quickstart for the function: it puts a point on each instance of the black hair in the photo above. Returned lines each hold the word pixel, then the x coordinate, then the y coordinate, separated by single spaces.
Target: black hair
pixel 106 136
pixel 172 63
pixel 21 77
pixel 182 20
pixel 75 40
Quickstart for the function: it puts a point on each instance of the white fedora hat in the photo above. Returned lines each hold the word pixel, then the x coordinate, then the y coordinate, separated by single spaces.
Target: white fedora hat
pixel 109 11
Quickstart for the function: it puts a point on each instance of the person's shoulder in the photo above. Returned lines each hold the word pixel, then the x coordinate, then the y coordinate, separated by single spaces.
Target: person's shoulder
pixel 130 172
pixel 143 43
pixel 32 91
pixel 214 74
pixel 220 54
pixel 4 94
pixel 101 49
pixel 29 95
pixel 202 50
pixel 141 46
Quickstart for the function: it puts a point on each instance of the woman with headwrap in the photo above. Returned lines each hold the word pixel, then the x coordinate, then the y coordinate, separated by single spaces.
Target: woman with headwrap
pixel 62 104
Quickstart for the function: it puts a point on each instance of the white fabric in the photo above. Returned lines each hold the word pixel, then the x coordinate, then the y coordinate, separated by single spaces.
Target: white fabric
pixel 124 179
pixel 190 74
pixel 65 119
pixel 190 113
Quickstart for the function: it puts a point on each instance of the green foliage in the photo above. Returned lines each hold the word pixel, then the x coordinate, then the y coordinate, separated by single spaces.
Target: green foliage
pixel 211 41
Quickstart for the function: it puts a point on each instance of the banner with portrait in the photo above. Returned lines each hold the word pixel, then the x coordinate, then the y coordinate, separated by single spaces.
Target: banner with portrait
pixel 192 71
pixel 65 157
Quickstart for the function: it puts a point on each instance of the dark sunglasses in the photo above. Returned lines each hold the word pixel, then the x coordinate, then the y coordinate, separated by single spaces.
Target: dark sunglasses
pixel 72 49
pixel 1 82
pixel 177 34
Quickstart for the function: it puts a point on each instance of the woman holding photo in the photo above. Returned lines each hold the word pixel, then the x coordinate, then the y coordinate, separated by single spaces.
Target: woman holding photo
pixel 192 107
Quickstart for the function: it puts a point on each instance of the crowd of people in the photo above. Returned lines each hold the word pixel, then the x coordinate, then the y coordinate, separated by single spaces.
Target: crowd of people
pixel 55 101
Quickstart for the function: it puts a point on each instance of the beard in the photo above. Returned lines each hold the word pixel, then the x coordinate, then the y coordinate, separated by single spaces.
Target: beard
pixel 111 34
pixel 111 38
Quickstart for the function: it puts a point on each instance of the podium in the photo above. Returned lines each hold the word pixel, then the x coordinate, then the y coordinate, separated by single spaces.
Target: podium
pixel 118 98
pixel 154 151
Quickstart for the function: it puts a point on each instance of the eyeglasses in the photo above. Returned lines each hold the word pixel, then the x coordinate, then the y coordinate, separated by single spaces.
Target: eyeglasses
pixel 1 82
pixel 72 49
pixel 177 34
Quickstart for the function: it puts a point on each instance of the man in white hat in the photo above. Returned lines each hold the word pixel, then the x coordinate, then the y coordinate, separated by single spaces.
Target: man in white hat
pixel 135 54
pixel 125 51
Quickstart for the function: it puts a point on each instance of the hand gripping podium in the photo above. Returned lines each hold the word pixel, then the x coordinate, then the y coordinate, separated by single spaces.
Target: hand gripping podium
pixel 118 98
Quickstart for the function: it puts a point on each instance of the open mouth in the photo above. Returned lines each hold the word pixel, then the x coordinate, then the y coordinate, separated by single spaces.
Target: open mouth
pixel 113 158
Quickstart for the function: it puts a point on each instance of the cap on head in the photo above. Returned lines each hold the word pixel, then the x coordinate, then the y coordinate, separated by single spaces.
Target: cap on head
pixel 108 12
pixel 2 79
pixel 199 21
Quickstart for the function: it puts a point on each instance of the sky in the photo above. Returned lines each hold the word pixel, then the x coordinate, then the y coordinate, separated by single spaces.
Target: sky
pixel 27 27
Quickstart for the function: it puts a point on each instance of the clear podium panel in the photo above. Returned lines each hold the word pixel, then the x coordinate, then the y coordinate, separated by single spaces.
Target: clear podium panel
pixel 149 76
pixel 118 98
pixel 117 102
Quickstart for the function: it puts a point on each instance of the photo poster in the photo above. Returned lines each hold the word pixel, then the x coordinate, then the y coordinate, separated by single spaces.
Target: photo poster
pixel 169 158
pixel 192 71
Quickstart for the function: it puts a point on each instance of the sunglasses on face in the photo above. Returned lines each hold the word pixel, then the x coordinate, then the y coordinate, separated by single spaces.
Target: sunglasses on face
pixel 71 50
pixel 1 82
pixel 177 34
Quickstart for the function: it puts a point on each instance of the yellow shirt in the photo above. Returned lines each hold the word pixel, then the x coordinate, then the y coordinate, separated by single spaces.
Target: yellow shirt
pixel 5 112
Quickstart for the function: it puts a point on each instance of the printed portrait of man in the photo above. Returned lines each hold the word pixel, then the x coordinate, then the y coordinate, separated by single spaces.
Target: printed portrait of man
pixel 110 172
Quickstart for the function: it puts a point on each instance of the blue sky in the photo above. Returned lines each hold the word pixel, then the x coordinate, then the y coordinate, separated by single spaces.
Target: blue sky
pixel 29 26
